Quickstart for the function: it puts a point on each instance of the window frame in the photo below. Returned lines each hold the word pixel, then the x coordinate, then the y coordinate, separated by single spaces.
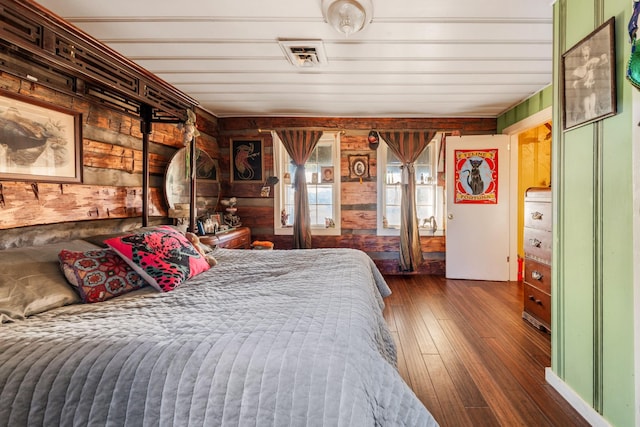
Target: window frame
pixel 281 159
pixel 439 192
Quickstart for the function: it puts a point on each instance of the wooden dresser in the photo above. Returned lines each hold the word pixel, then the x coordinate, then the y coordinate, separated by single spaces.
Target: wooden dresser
pixel 239 238
pixel 537 258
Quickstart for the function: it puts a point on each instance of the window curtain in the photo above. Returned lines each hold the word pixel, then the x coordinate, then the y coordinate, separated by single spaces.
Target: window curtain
pixel 300 144
pixel 407 146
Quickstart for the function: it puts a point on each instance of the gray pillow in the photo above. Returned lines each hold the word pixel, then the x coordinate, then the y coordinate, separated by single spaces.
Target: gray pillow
pixel 31 280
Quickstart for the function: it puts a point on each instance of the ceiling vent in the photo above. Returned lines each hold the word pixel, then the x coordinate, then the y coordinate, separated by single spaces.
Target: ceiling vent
pixel 304 53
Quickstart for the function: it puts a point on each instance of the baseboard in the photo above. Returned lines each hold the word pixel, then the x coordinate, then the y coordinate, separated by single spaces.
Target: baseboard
pixel 583 408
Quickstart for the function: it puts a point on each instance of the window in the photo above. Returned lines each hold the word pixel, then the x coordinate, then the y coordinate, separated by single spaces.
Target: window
pixel 429 192
pixel 323 185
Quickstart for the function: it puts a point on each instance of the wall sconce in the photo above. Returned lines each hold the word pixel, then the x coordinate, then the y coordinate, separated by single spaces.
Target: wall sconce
pixel 347 16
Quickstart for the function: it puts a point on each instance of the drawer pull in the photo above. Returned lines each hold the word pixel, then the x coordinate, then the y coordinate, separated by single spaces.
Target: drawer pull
pixel 536 275
pixel 536 215
pixel 537 301
pixel 535 243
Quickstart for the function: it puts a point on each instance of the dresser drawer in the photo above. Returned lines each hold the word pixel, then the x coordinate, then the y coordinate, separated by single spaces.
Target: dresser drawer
pixel 537 244
pixel 239 238
pixel 538 275
pixel 538 304
pixel 537 215
pixel 238 242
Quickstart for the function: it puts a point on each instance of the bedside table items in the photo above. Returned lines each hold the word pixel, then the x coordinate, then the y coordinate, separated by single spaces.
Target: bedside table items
pixel 230 217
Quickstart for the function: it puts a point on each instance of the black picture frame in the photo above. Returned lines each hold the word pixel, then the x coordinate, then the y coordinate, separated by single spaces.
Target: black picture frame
pixel 39 141
pixel 589 78
pixel 247 160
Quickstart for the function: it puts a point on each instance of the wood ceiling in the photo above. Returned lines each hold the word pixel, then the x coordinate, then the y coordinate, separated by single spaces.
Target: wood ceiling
pixel 417 58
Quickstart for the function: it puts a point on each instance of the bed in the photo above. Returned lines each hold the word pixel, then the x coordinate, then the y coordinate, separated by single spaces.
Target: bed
pixel 264 338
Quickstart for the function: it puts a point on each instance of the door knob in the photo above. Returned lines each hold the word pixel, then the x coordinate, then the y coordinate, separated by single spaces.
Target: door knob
pixel 450 216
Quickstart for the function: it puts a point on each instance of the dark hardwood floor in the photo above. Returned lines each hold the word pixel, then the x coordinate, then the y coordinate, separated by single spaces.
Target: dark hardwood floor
pixel 468 355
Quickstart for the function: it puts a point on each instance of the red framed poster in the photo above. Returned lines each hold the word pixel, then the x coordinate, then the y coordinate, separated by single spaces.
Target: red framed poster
pixel 476 176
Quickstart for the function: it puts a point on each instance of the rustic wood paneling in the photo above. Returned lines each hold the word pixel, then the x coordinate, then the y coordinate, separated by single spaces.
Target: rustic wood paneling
pixel 45 203
pixel 112 163
pixel 110 156
pixel 392 266
pixel 358 200
pixel 383 250
pixel 359 193
pixel 366 242
pixel 256 216
pixel 363 220
pixel 466 126
pixel 206 123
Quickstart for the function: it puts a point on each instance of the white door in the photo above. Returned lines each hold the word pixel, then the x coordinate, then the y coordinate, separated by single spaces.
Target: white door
pixel 477 245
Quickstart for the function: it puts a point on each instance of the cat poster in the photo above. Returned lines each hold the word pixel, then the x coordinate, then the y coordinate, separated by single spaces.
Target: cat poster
pixel 476 176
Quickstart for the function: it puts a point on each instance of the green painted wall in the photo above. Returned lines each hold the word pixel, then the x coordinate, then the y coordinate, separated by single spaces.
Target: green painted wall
pixel 592 345
pixel 535 103
pixel 593 311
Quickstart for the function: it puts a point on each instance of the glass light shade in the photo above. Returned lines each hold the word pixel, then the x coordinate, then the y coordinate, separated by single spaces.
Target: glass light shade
pixel 347 16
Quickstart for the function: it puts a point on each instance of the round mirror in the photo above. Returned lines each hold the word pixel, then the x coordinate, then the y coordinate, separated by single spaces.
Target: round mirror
pixel 177 184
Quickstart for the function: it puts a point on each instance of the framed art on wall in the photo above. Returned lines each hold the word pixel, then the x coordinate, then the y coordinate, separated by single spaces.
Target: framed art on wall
pixel 327 174
pixel 588 73
pixel 39 141
pixel 476 176
pixel 359 166
pixel 247 160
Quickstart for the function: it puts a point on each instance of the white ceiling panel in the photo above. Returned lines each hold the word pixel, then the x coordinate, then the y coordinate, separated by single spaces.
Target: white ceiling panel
pixel 416 58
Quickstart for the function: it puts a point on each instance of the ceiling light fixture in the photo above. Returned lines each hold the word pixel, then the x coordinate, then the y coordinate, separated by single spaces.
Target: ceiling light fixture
pixel 347 16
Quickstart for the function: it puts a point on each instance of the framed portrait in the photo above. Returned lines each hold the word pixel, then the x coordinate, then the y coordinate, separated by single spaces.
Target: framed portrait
pixel 327 174
pixel 247 160
pixel 39 141
pixel 359 167
pixel 588 73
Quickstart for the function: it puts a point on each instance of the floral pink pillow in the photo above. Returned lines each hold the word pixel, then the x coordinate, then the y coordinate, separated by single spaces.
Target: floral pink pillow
pixel 163 256
pixel 99 274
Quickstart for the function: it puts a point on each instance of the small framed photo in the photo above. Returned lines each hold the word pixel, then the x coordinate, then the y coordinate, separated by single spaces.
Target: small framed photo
pixel 588 73
pixel 327 174
pixel 359 166
pixel 39 141
pixel 247 160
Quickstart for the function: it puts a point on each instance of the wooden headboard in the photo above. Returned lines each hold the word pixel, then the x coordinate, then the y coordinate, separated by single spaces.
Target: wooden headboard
pixel 129 122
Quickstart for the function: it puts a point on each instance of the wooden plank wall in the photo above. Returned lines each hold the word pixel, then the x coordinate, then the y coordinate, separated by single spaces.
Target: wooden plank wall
pixel 112 166
pixel 359 200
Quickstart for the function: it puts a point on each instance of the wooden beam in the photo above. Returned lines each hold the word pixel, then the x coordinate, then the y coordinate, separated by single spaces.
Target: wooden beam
pixel 28 203
pixel 466 126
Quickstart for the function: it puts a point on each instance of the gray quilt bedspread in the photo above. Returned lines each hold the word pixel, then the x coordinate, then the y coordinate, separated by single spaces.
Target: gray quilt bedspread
pixel 266 338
